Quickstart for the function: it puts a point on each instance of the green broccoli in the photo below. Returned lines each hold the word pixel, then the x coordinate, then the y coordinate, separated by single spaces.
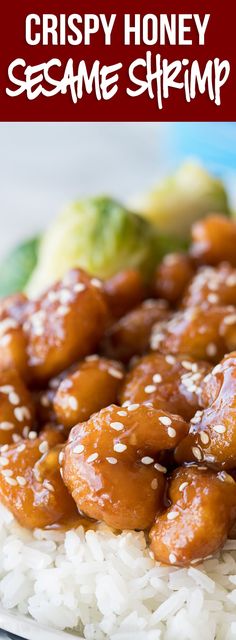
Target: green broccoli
pixel 180 199
pixel 99 235
pixel 17 266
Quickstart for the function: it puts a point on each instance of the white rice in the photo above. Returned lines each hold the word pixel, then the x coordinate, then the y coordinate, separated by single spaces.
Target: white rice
pixel 107 586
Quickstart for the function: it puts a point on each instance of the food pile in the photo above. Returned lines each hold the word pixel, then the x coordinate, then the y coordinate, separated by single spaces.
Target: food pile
pixel 117 399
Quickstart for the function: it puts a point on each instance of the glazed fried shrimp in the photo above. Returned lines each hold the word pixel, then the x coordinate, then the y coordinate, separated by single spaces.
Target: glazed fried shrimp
pixel 212 436
pixel 214 240
pixel 212 286
pixel 197 333
pixel 199 518
pixel 130 335
pixel 93 385
pixel 65 324
pixel 169 382
pixel 172 276
pixel 30 481
pixel 110 465
pixel 16 407
pixel 124 291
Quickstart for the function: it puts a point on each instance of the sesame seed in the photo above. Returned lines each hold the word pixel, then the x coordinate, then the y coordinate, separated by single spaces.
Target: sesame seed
pixel 61 457
pixel 6 388
pixel 231 280
pixel 154 484
pixel 213 298
pixel 63 310
pixel 150 388
pixel 172 558
pixel 11 481
pixel 204 437
pixel 183 486
pixel 156 339
pixel 170 359
pixel 111 460
pixel 43 447
pixel 6 426
pixel 96 283
pixel 79 448
pixel 4 448
pixel 21 448
pixel 117 426
pixel 197 418
pixel 4 341
pixel 171 432
pixel 122 413
pixel 157 378
pixel 165 420
pixel 211 349
pixel 219 428
pixel 79 287
pixel 127 403
pixel 6 324
pixel 92 358
pixel 61 473
pixel 209 458
pixel 119 447
pixel 197 453
pixel 3 461
pixel 172 515
pixel 44 400
pixel 16 438
pixel 21 413
pixel 25 432
pixel 21 481
pixel 160 468
pixel 93 457
pixel 65 296
pixel 37 473
pixel 72 403
pixel 14 398
pixel 48 485
pixel 230 319
pixel 115 373
pixel 187 365
pixel 147 460
pixel 32 435
pixel 52 296
pixel 132 407
pixel 7 473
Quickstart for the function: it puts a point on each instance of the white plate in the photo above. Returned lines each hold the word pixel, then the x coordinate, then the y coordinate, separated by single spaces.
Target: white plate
pixel 29 629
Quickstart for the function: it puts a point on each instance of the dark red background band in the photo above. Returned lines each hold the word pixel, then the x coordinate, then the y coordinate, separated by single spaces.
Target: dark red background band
pixel 220 42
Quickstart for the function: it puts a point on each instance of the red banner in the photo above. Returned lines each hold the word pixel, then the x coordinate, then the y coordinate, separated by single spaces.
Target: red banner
pixel 165 61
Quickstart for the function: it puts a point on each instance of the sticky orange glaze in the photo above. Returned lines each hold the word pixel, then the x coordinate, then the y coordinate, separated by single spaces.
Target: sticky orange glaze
pixel 172 276
pixel 196 333
pixel 212 286
pixel 212 436
pixel 214 240
pixel 198 520
pixel 169 382
pixel 17 414
pixel 124 291
pixel 93 385
pixel 130 335
pixel 110 465
pixel 30 481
